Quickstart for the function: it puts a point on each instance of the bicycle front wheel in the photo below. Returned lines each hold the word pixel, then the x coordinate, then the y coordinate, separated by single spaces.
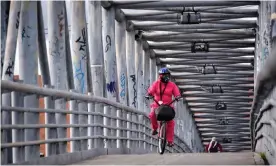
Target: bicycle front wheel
pixel 162 141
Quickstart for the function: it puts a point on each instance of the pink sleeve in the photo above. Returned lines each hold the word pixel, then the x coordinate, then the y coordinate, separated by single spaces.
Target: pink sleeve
pixel 151 90
pixel 176 91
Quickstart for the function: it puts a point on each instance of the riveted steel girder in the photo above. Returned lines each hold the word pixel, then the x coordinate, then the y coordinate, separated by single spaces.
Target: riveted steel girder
pixel 222 127
pixel 209 61
pixel 232 144
pixel 207 54
pixel 221 111
pixel 200 94
pixel 175 16
pixel 226 134
pixel 236 52
pixel 211 9
pixel 196 69
pixel 238 138
pixel 206 37
pixel 215 121
pixel 213 109
pixel 223 84
pixel 210 97
pixel 238 90
pixel 182 28
pixel 213 47
pixel 229 104
pixel 199 76
pixel 225 88
pixel 162 4
pixel 223 131
pixel 220 116
pixel 248 31
pixel 197 100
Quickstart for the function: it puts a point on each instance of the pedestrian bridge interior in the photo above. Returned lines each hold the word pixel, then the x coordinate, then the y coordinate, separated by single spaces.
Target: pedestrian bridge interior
pixel 75 73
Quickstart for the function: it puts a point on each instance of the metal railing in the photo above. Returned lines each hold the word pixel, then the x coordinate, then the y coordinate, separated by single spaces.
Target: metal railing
pixel 103 124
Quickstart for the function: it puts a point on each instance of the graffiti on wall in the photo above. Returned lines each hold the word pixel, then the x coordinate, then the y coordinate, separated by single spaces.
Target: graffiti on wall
pixel 79 75
pixel 111 87
pixel 123 86
pixel 82 44
pixel 133 79
pixel 60 23
pixel 9 70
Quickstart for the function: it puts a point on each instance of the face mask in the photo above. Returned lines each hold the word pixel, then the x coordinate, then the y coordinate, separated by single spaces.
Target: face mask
pixel 165 78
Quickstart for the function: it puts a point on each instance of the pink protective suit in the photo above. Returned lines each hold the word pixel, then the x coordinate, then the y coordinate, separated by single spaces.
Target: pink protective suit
pixel 169 90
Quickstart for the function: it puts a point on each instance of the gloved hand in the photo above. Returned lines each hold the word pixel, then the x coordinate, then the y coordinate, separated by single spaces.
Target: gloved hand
pixel 178 98
pixel 148 96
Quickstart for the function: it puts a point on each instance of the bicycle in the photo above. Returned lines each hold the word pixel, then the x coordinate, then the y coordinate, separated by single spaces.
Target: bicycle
pixel 168 114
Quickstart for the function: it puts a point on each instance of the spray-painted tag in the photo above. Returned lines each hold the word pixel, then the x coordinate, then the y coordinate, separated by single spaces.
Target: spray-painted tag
pixel 160 102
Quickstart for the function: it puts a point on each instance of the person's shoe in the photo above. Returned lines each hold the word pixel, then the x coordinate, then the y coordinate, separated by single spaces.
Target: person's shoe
pixel 170 144
pixel 154 132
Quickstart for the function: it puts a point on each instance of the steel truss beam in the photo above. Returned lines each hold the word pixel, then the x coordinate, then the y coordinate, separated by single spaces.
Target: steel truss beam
pixel 226 112
pixel 223 127
pixel 216 122
pixel 218 95
pixel 198 100
pixel 202 62
pixel 220 116
pixel 240 139
pixel 217 98
pixel 166 4
pixel 183 28
pixel 212 9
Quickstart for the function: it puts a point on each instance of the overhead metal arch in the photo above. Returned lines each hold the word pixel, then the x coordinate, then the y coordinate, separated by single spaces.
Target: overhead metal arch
pixel 221 35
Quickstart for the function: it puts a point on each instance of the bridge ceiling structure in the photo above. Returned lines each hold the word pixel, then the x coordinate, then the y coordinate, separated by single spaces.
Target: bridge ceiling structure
pixel 209 48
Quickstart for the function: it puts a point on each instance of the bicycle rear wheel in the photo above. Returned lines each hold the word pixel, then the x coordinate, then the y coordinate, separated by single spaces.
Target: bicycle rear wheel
pixel 162 141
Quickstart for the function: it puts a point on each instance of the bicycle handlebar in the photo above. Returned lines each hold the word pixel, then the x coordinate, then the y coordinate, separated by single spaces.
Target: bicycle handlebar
pixel 151 97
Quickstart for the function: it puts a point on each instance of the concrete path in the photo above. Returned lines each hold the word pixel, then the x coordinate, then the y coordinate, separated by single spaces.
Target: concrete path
pixel 247 158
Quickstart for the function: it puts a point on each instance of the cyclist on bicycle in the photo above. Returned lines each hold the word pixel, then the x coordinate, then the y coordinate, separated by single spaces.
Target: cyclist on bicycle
pixel 162 90
pixel 213 146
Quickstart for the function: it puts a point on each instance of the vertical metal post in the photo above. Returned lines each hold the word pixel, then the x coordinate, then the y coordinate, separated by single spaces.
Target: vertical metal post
pixel 141 134
pixel 106 123
pixel 91 109
pixel 79 59
pixel 57 65
pixel 50 133
pixel 5 7
pixel 43 60
pixel 17 134
pixel 146 69
pixel 135 127
pixel 74 132
pixel 120 37
pixel 11 41
pixel 28 71
pixel 119 131
pixel 96 61
pixel 131 74
pixel 68 51
pixel 140 73
pixel 8 72
pixel 113 123
pixel 110 63
pixel 129 142
pixel 152 70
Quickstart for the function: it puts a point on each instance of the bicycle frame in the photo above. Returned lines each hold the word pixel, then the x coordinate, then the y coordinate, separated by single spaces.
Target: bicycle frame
pixel 162 140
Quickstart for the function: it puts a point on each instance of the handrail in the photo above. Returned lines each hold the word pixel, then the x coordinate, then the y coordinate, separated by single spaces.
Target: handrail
pixel 31 89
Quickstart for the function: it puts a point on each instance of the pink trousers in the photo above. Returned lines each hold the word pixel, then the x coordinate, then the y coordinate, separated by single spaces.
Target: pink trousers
pixel 170 125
